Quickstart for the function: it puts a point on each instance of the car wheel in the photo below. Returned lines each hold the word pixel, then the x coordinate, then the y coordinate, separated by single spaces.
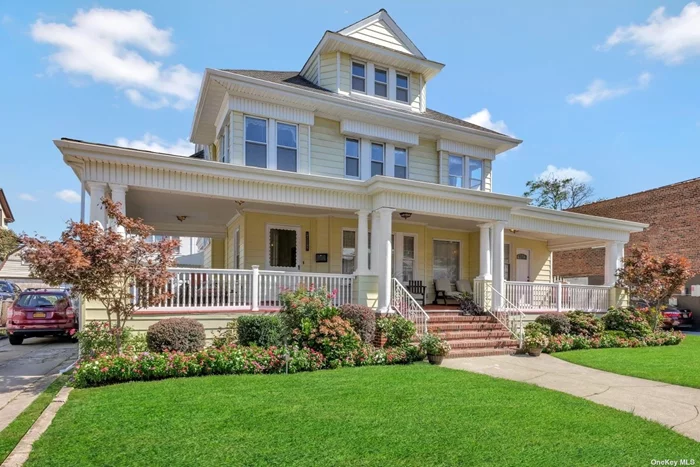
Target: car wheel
pixel 16 340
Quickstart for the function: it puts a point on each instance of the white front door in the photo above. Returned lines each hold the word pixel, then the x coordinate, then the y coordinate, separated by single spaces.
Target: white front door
pixel 522 265
pixel 283 252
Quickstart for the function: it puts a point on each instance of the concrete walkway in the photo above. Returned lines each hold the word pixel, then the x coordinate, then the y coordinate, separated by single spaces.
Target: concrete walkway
pixel 674 406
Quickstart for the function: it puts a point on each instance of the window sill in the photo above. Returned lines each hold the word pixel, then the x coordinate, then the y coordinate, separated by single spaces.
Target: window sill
pixel 381 100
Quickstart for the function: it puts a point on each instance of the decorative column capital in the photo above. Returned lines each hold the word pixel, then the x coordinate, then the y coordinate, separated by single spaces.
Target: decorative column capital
pixel 119 188
pixel 363 212
pixel 98 186
pixel 485 225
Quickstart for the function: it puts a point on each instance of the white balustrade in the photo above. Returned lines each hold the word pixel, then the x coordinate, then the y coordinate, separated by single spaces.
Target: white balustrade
pixel 536 296
pixel 404 304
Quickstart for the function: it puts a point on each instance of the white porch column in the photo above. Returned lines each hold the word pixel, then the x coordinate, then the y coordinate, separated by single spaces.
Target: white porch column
pixel 362 243
pixel 374 256
pixel 485 252
pixel 382 252
pixel 97 211
pixel 119 195
pixel 497 267
pixel 614 253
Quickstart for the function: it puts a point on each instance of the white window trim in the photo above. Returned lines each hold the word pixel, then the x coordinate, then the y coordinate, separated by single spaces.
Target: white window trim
pixel 466 175
pixel 385 70
pixel 352 75
pixel 342 234
pixel 483 174
pixel 277 145
pixel 451 240
pixel 398 253
pixel 508 257
pixel 295 228
pixel 408 87
pixel 359 158
pixel 408 159
pixel 372 161
pixel 237 248
pixel 245 139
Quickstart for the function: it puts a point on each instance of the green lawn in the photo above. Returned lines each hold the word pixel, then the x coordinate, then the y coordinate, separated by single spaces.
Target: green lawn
pixel 15 431
pixel 400 415
pixel 675 364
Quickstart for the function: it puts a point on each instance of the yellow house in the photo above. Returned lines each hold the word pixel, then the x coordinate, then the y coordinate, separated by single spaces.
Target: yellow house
pixel 341 175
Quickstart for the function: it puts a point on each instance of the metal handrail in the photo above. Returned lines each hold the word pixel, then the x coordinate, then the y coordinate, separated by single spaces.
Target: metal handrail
pixel 404 304
pixel 510 320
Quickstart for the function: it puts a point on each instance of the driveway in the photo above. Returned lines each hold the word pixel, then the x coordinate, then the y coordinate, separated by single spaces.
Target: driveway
pixel 674 406
pixel 27 369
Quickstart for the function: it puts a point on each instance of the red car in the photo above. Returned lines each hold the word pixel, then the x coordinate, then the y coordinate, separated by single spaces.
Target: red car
pixel 41 312
pixel 675 318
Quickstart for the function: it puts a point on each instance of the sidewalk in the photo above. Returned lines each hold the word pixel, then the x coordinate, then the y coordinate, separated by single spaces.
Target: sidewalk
pixel 674 406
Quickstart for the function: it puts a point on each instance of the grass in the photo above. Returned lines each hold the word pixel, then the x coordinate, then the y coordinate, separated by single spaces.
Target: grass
pixel 676 364
pixel 15 431
pixel 400 415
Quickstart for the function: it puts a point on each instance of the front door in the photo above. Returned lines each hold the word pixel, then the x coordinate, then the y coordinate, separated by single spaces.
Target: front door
pixel 522 265
pixel 283 247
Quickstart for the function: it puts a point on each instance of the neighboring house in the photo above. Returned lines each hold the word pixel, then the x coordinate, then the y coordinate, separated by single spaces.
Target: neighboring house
pixel 6 216
pixel 189 254
pixel 673 215
pixel 341 175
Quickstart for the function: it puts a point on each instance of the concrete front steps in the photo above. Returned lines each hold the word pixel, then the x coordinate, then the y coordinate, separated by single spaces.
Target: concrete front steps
pixel 471 336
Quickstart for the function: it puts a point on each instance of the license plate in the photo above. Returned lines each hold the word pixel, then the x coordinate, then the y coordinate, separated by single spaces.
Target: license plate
pixel 39 314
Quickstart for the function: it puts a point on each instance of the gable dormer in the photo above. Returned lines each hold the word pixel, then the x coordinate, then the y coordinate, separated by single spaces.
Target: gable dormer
pixel 372 59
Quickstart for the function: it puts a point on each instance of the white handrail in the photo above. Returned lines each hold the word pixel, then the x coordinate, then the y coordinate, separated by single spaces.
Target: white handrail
pixel 510 316
pixel 403 303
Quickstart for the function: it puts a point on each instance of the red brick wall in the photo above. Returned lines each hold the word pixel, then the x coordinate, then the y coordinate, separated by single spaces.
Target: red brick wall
pixel 673 215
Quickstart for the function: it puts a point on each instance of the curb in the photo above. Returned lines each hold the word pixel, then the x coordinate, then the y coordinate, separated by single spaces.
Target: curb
pixel 20 453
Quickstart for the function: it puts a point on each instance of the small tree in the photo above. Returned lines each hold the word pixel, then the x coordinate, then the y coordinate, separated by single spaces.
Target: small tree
pixel 9 244
pixel 558 193
pixel 651 278
pixel 116 266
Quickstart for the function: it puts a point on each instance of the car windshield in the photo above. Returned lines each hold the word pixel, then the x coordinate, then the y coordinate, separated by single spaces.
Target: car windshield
pixel 40 300
pixel 5 287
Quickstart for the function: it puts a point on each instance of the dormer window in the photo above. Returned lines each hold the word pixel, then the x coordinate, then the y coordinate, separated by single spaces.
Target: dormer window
pixel 381 80
pixel 358 77
pixel 401 87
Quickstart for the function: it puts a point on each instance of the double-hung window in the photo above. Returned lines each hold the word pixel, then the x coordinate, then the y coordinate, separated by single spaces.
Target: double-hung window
pixel 286 147
pixel 400 163
pixel 456 171
pixel 377 159
pixel 352 158
pixel 256 142
pixel 476 174
pixel 401 87
pixel 358 77
pixel 349 252
pixel 380 82
pixel 409 257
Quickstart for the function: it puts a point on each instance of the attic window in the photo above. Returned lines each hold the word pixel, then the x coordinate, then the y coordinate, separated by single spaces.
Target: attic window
pixel 358 77
pixel 380 82
pixel 401 87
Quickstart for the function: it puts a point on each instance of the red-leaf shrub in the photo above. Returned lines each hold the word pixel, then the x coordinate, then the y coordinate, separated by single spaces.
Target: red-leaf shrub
pixel 611 339
pixel 558 323
pixel 335 339
pixel 628 320
pixel 176 334
pixel 362 318
pixel 584 324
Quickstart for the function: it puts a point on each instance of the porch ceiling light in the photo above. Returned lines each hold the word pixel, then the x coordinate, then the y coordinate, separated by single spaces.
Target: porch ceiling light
pixel 405 215
pixel 181 218
pixel 513 230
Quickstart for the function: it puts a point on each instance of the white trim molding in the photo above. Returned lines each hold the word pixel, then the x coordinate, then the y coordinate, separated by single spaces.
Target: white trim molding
pixel 464 149
pixel 386 134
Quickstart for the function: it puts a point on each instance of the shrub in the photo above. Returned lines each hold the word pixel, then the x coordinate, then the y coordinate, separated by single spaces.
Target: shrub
pixel 260 330
pixel 558 323
pixel 176 334
pixel 612 339
pixel 228 335
pixel 581 342
pixel 97 338
pixel 335 339
pixel 398 330
pixel 627 320
pixel 304 307
pixel 535 327
pixel 432 344
pixel 584 324
pixel 559 343
pixel 362 318
pixel 536 336
pixel 653 316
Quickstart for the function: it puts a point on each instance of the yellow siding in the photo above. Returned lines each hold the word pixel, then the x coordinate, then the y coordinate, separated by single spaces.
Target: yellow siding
pixel 256 236
pixel 344 73
pixel 230 236
pixel 540 258
pixel 329 71
pixel 414 89
pixel 378 33
pixel 423 161
pixel 217 247
pixel 303 149
pixel 206 257
pixel 237 119
pixel 327 148
pixel 312 73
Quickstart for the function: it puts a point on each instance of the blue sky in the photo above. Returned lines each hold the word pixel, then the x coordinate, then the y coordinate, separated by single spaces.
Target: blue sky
pixel 605 88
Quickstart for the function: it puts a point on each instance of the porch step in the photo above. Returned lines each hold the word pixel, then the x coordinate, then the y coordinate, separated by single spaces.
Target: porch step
pixel 483 344
pixel 457 318
pixel 462 353
pixel 438 327
pixel 459 335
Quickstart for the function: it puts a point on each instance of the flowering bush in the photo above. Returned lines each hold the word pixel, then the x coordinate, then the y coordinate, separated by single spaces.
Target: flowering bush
pixel 628 320
pixel 558 323
pixel 432 344
pixel 304 307
pixel 536 336
pixel 584 324
pixel 334 338
pixel 98 338
pixel 611 339
pixel 398 330
pixel 362 318
pixel 178 334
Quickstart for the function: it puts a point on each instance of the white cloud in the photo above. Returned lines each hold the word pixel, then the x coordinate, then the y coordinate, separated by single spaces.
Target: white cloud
pixel 599 91
pixel 483 118
pixel 672 39
pixel 106 46
pixel 566 172
pixel 6 19
pixel 151 142
pixel 26 197
pixel 69 196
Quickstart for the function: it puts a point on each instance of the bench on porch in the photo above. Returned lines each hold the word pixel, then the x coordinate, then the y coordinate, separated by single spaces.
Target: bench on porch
pixel 417 290
pixel 447 289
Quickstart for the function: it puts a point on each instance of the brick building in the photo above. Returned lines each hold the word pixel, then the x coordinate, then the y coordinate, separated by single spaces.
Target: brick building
pixel 673 215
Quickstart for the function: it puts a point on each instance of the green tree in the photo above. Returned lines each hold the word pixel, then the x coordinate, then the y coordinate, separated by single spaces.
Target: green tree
pixel 558 193
pixel 9 243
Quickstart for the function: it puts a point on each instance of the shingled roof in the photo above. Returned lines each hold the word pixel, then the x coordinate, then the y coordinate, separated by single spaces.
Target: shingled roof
pixel 294 79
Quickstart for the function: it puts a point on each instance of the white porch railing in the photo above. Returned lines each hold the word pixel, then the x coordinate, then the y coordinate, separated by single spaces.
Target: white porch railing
pixel 404 304
pixel 245 289
pixel 536 296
